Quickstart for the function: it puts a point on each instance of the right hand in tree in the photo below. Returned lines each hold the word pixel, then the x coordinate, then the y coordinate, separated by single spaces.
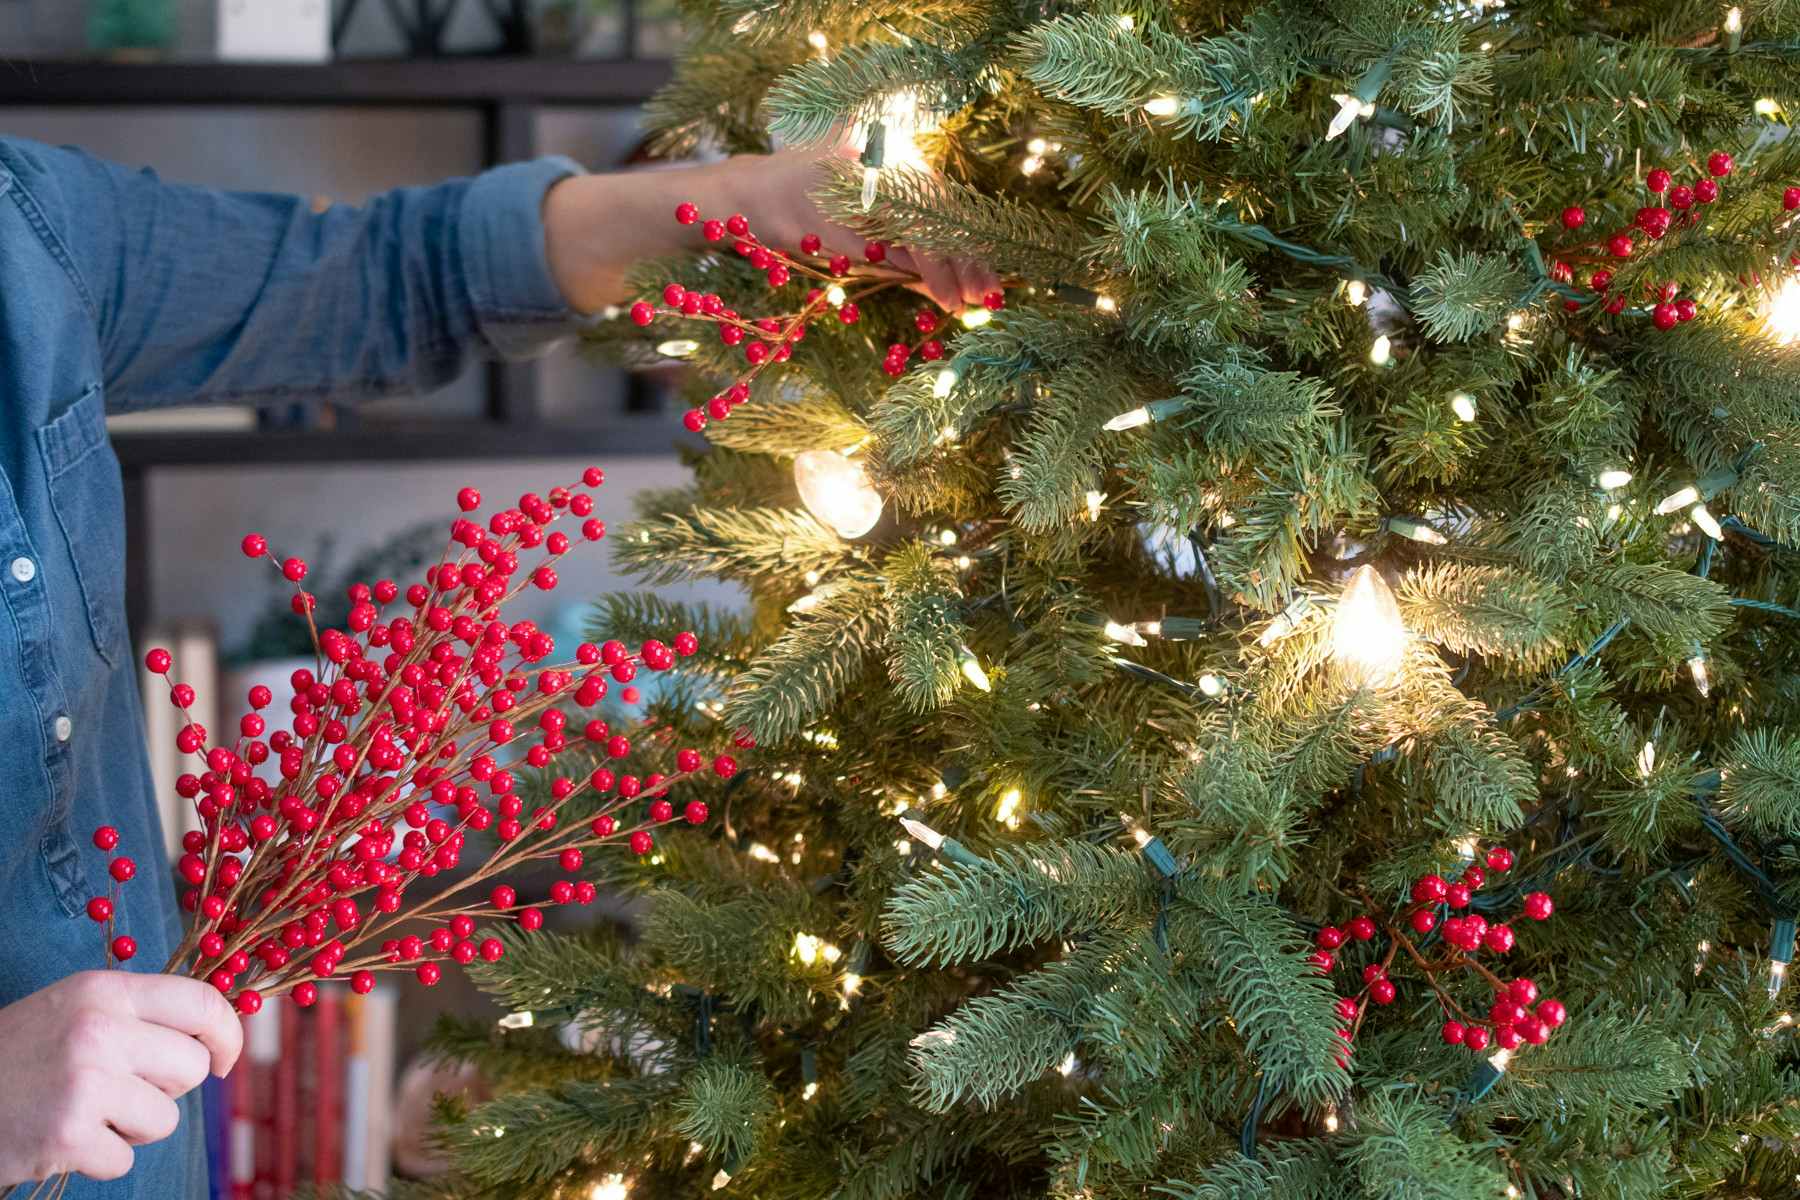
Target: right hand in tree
pixel 94 1064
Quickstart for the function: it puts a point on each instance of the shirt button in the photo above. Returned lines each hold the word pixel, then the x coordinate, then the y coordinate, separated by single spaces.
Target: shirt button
pixel 23 569
pixel 64 727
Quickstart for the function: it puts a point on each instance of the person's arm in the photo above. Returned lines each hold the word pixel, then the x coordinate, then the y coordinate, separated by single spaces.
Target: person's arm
pixel 95 1063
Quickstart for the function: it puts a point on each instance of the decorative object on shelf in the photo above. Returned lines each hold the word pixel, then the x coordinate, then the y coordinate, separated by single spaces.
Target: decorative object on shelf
pixel 274 30
pixel 131 28
pixel 428 22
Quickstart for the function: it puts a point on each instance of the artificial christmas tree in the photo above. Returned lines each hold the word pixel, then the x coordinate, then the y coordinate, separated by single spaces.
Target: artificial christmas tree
pixel 1292 699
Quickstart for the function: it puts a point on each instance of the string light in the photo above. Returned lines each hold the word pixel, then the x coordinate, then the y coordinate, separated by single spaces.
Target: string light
pixel 1702 516
pixel 612 1187
pixel 1463 405
pixel 1782 319
pixel 806 603
pixel 975 318
pixel 1286 622
pixel 1382 352
pixel 517 1020
pixel 1030 164
pixel 1106 304
pixel 1350 108
pixel 1418 531
pixel 1007 810
pixel 836 295
pixel 1331 1119
pixel 1162 106
pixel 1614 478
pixel 677 348
pixel 1701 950
pixel 1646 760
pixel 807 948
pixel 762 853
pixel 817 41
pixel 1126 22
pixel 721 1179
pixel 1211 686
pixel 972 670
pixel 1781 950
pixel 837 491
pixel 947 537
pixel 1126 634
pixel 1768 106
pixel 1677 499
pixel 1356 291
pixel 1697 669
pixel 1094 500
pixel 1367 636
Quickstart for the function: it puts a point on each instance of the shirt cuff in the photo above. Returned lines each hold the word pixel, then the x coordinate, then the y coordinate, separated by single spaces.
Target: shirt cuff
pixel 519 311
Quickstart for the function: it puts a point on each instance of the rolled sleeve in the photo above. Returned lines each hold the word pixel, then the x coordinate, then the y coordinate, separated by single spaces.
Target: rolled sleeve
pixel 519 311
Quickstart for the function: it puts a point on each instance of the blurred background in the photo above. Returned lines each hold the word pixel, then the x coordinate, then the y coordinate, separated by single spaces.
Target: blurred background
pixel 337 100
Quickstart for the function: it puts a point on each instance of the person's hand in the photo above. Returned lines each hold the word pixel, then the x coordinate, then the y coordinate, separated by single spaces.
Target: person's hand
pixel 772 190
pixel 95 1063
pixel 596 226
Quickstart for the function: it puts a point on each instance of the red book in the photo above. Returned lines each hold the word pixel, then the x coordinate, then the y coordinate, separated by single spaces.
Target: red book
pixel 286 1120
pixel 261 1057
pixel 328 1089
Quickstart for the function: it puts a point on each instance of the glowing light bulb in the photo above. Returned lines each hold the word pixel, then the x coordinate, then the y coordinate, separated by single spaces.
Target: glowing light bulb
pixel 1705 520
pixel 612 1187
pixel 1615 477
pixel 721 1179
pixel 943 383
pixel 1463 405
pixel 922 833
pixel 1782 320
pixel 1126 634
pixel 1734 19
pixel 1162 106
pixel 835 295
pixel 1417 531
pixel 1036 145
pixel 1106 304
pixel 836 490
pixel 1006 811
pixel 1127 22
pixel 971 669
pixel 1768 106
pixel 1128 420
pixel 762 853
pixel 817 41
pixel 852 983
pixel 1382 352
pixel 1331 1120
pixel 871 180
pixel 1211 686
pixel 806 948
pixel 677 348
pixel 517 1020
pixel 1777 977
pixel 1068 1064
pixel 1646 760
pixel 947 537
pixel 1499 1059
pixel 975 318
pixel 1697 669
pixel 1030 165
pixel 1356 291
pixel 1677 499
pixel 810 1090
pixel 1094 501
pixel 1349 109
pixel 1367 636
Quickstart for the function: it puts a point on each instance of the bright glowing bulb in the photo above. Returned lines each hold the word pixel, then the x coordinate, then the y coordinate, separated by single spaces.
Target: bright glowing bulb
pixel 852 982
pixel 1106 304
pixel 1128 420
pixel 1646 760
pixel 836 490
pixel 1677 499
pixel 1211 686
pixel 817 41
pixel 517 1020
pixel 1068 1064
pixel 1094 501
pixel 1782 320
pixel 1515 322
pixel 1007 810
pixel 1126 634
pixel 1697 669
pixel 871 179
pixel 1512 1192
pixel 610 1188
pixel 1705 520
pixel 1616 477
pixel 1349 109
pixel 1367 636
pixel 677 348
pixel 762 853
pixel 1331 1120
pixel 1734 19
pixel 939 790
pixel 721 1179
pixel 1163 106
pixel 810 1090
pixel 1463 405
pixel 1768 106
pixel 1418 531
pixel 1382 352
pixel 1030 165
pixel 1499 1059
pixel 1127 22
pixel 835 295
pixel 1036 146
pixel 807 947
pixel 1356 291
pixel 1777 977
pixel 975 318
pixel 922 833
pixel 971 669
pixel 947 537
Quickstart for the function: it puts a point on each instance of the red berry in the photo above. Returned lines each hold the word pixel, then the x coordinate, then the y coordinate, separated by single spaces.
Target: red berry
pixel 724 766
pixel 848 312
pixel 305 994
pixel 1534 1031
pixel 1361 928
pixel 737 225
pixel 254 545
pixel 1329 938
pixel 492 949
pixel 123 869
pixel 604 826
pixel 1574 217
pixel 1475 1038
pixel 1682 198
pixel 362 982
pixel 662 811
pixel 1663 317
pixel 429 973
pixel 1615 304
pixel 641 842
pixel 1790 198
pixel 1498 938
pixel 1657 180
pixel 106 838
pixel 1705 191
pixel 840 264
pixel 694 420
pixel 1719 164
pixel 1686 309
pixel 686 213
pixel 570 859
pixel 100 909
pixel 1453 1033
pixel 810 244
pixel 1499 859
pixel 1552 1013
pixel 531 919
pixel 994 301
pixel 1600 279
pixel 1539 906
pixel 1430 889
pixel 777 276
pixel 875 251
pixel 1619 245
pixel 1382 991
pixel 1523 991
pixel 1346 1008
pixel 293 570
pixel 124 947
pixel 712 231
pixel 159 661
pixel 1423 920
pixel 1458 895
pixel 1372 972
pixel 249 1001
pixel 696 812
pixel 686 644
pixel 642 313
pixel 503 897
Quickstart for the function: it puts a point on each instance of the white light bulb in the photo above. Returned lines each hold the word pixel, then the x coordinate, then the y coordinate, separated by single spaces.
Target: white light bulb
pixel 1128 420
pixel 1782 319
pixel 1349 109
pixel 677 348
pixel 1499 1059
pixel 1068 1064
pixel 806 948
pixel 610 1188
pixel 1734 19
pixel 1677 499
pixel 1356 291
pixel 947 537
pixel 1382 352
pixel 1036 145
pixel 1777 977
pixel 1615 477
pixel 1705 520
pixel 1030 165
pixel 817 41
pixel 1126 634
pixel 1094 500
pixel 1646 760
pixel 943 383
pixel 971 669
pixel 1463 405
pixel 836 490
pixel 835 295
pixel 1163 106
pixel 1211 686
pixel 1007 810
pixel 1127 22
pixel 975 318
pixel 1697 669
pixel 1106 304
pixel 517 1020
pixel 1367 636
pixel 922 833
pixel 871 178
pixel 1768 106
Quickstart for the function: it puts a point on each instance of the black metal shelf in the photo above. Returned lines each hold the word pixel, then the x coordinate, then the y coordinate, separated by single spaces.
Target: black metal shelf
pixel 651 434
pixel 477 82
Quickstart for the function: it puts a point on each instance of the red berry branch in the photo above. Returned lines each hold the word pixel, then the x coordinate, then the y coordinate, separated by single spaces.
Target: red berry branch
pixel 771 339
pixel 1509 1022
pixel 408 736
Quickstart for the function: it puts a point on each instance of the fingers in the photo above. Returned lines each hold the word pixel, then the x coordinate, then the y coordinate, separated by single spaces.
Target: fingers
pixel 171 1062
pixel 941 282
pixel 187 1006
pixel 974 281
pixel 103 1155
pixel 138 1112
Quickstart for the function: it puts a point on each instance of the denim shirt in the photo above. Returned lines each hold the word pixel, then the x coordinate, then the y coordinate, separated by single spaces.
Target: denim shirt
pixel 120 292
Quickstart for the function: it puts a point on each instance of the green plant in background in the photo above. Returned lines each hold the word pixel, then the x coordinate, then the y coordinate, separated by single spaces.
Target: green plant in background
pixel 131 24
pixel 277 634
pixel 1295 287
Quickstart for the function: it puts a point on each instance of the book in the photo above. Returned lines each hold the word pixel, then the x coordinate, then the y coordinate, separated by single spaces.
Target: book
pixel 327 1107
pixel 284 1124
pixel 370 1026
pixel 252 1110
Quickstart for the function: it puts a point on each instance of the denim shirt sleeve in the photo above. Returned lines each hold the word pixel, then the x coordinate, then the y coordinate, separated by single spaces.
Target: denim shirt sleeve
pixel 203 295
